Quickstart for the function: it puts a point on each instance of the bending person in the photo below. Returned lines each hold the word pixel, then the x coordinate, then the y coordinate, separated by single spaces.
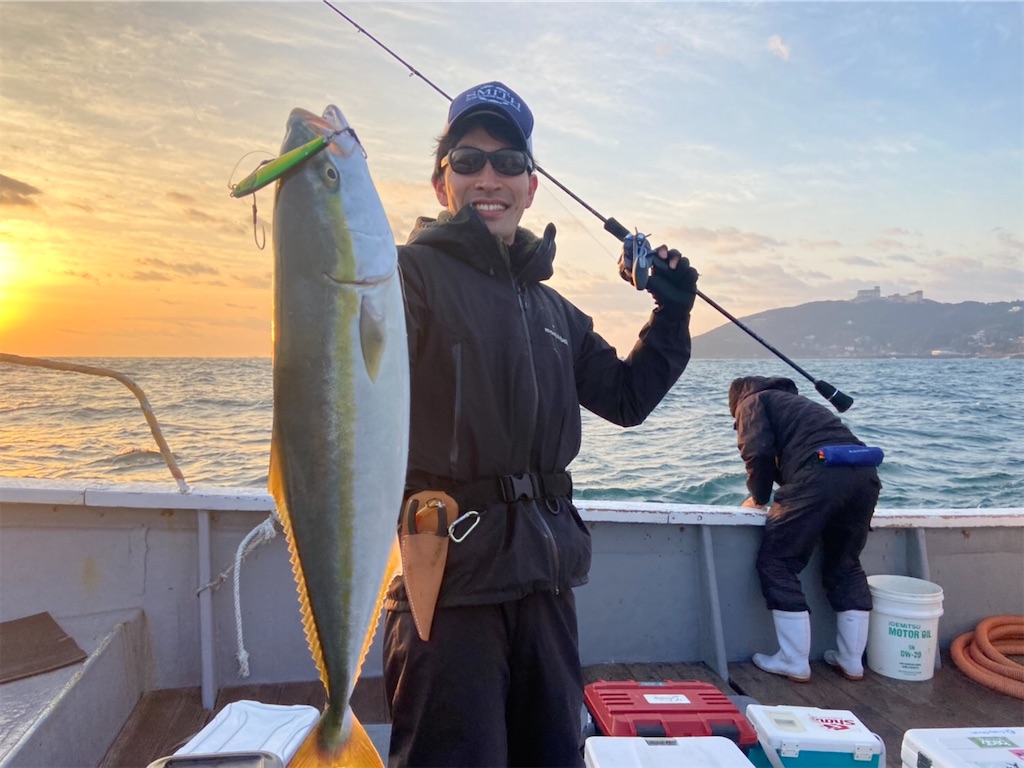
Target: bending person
pixel 780 435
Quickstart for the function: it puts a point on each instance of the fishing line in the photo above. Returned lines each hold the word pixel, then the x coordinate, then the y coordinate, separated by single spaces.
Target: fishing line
pixel 255 216
pixel 839 400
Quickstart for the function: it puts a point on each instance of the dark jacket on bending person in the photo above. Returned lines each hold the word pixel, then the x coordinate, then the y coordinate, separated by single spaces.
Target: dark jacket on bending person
pixel 500 365
pixel 778 430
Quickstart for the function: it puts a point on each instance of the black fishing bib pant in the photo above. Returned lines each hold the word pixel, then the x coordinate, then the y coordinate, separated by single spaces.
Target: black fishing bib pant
pixel 496 685
pixel 830 504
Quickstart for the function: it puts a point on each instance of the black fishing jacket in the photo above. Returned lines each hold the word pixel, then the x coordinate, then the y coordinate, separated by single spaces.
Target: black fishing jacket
pixel 500 364
pixel 778 431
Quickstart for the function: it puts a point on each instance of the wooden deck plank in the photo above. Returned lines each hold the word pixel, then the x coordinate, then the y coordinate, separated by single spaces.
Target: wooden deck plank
pixel 159 725
pixel 654 672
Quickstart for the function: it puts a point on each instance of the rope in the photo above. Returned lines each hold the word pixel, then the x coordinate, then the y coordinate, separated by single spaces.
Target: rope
pixel 258 536
pixel 982 654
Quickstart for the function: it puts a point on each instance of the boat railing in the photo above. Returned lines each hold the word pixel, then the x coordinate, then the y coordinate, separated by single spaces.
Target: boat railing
pixel 709 524
pixel 135 389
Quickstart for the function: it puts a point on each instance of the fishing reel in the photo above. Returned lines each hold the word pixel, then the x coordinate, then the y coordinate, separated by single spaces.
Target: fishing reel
pixel 637 259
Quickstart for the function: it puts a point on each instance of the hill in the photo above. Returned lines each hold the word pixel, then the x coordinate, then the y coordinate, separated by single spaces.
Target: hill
pixel 873 328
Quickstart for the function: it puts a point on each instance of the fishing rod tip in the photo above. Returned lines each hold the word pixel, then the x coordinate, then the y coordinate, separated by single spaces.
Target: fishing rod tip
pixel 842 402
pixel 839 400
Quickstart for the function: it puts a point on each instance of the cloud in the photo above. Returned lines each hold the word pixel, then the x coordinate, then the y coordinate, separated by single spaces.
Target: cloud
pixel 255 281
pixel 860 261
pixel 819 245
pixel 901 257
pixel 82 275
pixel 778 48
pixel 1008 239
pixel 191 268
pixel 894 147
pixel 728 240
pixel 151 277
pixel 886 244
pixel 14 192
pixel 194 214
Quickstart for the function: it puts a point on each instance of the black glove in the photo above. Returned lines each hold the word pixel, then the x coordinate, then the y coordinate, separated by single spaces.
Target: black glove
pixel 673 288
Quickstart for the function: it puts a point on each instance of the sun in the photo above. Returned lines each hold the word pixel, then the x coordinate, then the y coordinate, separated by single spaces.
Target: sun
pixel 12 276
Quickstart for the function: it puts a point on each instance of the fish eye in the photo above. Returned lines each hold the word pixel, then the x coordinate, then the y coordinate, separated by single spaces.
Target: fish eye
pixel 330 175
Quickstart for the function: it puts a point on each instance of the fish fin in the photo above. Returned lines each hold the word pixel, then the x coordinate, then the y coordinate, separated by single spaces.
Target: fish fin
pixel 394 566
pixel 357 752
pixel 373 334
pixel 276 487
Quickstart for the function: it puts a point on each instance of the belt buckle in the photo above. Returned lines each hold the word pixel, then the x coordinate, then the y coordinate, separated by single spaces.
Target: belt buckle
pixel 516 487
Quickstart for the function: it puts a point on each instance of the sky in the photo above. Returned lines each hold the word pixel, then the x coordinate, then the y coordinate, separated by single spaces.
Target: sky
pixel 794 151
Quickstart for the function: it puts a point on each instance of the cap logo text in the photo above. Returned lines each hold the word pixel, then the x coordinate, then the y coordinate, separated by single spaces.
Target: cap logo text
pixel 494 95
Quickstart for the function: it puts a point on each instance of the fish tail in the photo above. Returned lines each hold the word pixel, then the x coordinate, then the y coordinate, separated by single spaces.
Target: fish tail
pixel 321 748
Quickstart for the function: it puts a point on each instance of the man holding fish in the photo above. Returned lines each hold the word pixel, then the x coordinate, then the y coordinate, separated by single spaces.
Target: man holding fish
pixel 481 659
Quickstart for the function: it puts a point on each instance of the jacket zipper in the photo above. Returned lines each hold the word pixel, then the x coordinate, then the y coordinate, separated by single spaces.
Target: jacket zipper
pixel 556 564
pixel 453 458
pixel 533 367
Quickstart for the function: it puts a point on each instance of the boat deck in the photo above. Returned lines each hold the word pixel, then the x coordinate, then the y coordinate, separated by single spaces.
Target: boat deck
pixel 164 720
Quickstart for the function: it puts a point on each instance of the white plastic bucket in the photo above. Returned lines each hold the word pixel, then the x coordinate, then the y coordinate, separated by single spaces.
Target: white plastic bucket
pixel 903 632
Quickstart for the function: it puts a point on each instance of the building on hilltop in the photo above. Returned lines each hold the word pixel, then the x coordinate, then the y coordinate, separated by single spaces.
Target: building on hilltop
pixel 875 294
pixel 869 295
pixel 909 298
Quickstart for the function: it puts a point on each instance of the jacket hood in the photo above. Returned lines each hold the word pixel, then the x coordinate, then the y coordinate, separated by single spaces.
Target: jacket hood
pixel 748 385
pixel 465 236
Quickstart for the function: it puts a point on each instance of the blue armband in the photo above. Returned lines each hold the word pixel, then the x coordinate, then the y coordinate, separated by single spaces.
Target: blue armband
pixel 850 455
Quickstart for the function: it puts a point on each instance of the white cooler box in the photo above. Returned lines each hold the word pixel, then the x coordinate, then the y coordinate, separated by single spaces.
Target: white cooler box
pixel 250 727
pixel 809 737
pixel 963 748
pixel 639 752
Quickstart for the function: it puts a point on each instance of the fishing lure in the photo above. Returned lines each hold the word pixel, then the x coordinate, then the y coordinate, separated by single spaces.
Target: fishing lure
pixel 271 170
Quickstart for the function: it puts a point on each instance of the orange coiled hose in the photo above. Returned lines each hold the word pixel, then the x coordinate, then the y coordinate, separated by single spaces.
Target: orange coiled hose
pixel 982 654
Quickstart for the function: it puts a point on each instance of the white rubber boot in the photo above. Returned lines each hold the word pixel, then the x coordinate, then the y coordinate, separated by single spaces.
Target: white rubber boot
pixel 793 630
pixel 852 638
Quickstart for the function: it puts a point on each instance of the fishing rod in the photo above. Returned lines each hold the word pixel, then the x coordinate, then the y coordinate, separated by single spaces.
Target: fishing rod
pixel 643 258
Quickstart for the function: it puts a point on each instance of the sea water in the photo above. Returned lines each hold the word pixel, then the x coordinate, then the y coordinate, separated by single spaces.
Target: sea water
pixel 952 429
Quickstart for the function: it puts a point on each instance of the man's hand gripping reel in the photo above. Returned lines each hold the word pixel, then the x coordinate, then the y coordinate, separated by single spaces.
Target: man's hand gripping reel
pixel 636 260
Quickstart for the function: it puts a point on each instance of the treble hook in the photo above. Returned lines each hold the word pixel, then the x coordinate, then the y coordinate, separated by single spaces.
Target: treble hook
pixel 259 245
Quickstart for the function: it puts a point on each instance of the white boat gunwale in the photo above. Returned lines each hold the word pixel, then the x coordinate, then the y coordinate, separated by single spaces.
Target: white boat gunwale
pixel 657 568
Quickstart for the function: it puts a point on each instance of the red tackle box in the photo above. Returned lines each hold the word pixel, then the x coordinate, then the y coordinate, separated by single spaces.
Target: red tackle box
pixel 668 709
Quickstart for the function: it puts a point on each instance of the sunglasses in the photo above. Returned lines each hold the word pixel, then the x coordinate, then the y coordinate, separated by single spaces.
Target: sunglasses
pixel 469 160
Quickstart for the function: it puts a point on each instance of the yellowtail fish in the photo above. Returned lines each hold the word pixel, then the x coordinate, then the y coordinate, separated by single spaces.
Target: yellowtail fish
pixel 341 411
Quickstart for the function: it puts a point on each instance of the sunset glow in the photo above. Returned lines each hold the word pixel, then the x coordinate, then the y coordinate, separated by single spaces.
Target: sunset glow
pixel 795 152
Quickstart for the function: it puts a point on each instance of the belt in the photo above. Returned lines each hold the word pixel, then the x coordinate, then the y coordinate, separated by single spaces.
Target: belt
pixel 814 460
pixel 507 489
